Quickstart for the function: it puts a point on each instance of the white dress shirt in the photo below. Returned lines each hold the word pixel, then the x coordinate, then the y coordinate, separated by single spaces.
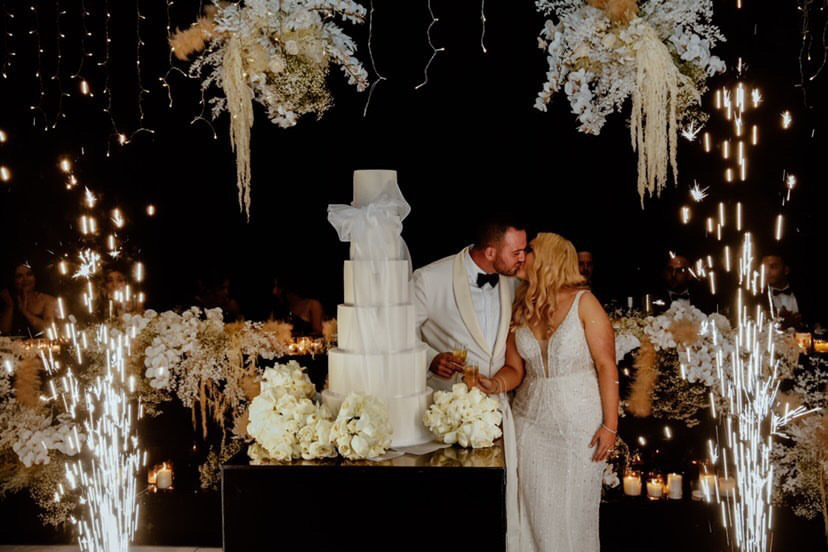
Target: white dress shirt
pixel 486 302
pixel 785 300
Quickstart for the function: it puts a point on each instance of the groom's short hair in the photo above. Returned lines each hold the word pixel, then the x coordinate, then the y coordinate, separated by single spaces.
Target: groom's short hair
pixel 491 230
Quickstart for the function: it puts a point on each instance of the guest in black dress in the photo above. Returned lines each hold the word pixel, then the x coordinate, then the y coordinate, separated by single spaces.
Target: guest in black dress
pixel 305 314
pixel 25 311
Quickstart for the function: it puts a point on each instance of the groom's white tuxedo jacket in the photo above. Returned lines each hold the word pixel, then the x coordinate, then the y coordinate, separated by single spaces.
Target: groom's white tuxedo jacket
pixel 446 316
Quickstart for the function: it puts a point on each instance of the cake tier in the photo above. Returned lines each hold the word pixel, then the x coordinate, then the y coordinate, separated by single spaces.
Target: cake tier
pixel 383 245
pixel 382 329
pixel 370 184
pixel 377 283
pixel 405 413
pixel 380 375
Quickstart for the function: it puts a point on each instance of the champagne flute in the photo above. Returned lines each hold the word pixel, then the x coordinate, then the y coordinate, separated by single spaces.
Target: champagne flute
pixel 471 372
pixel 459 353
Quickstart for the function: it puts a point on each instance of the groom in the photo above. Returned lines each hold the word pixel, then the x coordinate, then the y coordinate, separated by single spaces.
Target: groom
pixel 466 300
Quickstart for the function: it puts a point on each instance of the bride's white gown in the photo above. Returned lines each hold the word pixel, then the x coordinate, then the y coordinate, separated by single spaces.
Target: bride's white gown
pixel 557 410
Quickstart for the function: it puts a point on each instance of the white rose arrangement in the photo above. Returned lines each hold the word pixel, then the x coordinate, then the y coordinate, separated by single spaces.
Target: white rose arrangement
pixel 287 428
pixel 288 379
pixel 468 418
pixel 362 428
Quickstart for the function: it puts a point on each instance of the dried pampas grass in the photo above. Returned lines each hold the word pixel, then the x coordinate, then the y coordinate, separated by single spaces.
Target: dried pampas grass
pixel 685 332
pixel 240 106
pixel 27 382
pixel 183 43
pixel 640 402
pixel 619 12
pixel 653 124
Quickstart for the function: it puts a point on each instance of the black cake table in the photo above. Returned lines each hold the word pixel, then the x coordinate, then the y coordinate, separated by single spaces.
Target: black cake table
pixel 451 498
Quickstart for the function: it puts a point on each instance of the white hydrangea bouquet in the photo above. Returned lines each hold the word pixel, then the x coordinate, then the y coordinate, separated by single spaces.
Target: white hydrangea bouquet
pixel 276 52
pixel 362 428
pixel 468 418
pixel 602 52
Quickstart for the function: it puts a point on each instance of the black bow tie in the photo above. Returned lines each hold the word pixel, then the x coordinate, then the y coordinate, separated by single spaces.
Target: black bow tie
pixel 676 296
pixel 784 291
pixel 491 279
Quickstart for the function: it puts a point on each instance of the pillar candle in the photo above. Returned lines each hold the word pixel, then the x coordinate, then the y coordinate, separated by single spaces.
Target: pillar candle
pixel 163 479
pixel 727 486
pixel 632 485
pixel 674 489
pixel 654 488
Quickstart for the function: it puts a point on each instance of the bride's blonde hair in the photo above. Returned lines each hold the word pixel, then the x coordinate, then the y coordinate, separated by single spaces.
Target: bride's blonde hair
pixel 555 267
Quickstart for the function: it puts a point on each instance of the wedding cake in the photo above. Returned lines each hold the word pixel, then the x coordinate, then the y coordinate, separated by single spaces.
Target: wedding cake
pixel 378 351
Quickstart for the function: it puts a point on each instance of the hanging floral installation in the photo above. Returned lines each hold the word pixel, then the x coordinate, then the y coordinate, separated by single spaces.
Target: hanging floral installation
pixel 602 52
pixel 276 52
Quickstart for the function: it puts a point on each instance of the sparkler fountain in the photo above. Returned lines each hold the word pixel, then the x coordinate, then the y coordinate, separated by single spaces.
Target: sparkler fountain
pixel 748 365
pixel 95 390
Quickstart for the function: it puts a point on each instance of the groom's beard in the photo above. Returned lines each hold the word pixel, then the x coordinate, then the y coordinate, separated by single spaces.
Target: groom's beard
pixel 508 272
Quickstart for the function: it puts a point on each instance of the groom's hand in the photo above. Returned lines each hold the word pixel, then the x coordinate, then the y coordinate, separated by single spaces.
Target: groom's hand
pixel 445 366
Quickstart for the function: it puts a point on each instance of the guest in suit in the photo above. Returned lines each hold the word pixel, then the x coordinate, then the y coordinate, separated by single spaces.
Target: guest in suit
pixel 585 266
pixel 784 302
pixel 681 286
pixel 466 299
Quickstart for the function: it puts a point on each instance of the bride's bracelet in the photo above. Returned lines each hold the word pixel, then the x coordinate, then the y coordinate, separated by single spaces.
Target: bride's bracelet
pixel 614 432
pixel 501 385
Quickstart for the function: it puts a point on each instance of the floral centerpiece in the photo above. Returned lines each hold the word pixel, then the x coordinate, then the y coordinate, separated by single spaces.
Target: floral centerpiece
pixel 276 52
pixel 658 53
pixel 466 417
pixel 680 358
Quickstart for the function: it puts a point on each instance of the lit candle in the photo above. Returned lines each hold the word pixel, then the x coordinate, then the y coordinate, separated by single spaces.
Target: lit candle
pixel 727 486
pixel 707 483
pixel 632 484
pixel 655 488
pixel 163 478
pixel 674 489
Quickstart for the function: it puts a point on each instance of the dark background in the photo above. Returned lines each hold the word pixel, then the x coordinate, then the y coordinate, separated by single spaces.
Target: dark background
pixel 468 142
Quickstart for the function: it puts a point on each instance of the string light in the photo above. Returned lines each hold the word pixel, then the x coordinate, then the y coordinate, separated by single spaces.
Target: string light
pixel 483 26
pixel 35 32
pixel 168 4
pixel 787 119
pixel 58 60
pixel 5 173
pixel 707 145
pixel 685 215
pixel 8 39
pixel 3 136
pixel 151 210
pixel 139 44
pixel 105 64
pixel 380 77
pixel 434 49
pixel 85 33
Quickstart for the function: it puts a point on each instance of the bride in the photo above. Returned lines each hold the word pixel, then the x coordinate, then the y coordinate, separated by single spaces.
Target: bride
pixel 560 357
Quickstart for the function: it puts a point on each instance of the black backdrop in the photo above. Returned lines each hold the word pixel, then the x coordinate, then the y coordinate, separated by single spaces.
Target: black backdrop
pixel 468 141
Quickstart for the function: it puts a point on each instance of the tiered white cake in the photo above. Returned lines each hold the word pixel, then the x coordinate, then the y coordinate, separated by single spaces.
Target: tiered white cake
pixel 378 352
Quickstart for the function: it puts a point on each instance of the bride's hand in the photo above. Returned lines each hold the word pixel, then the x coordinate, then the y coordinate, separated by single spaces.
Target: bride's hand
pixel 487 385
pixel 605 439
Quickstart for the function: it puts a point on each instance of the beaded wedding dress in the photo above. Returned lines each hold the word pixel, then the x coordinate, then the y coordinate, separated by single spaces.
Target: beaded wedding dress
pixel 557 410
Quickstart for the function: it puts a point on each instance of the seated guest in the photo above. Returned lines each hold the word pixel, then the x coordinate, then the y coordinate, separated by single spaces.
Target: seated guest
pixel 214 292
pixel 585 266
pixel 305 314
pixel 115 285
pixel 782 298
pixel 25 311
pixel 680 286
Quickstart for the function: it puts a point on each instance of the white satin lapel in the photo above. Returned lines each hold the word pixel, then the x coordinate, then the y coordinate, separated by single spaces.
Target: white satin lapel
pixel 506 298
pixel 462 294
